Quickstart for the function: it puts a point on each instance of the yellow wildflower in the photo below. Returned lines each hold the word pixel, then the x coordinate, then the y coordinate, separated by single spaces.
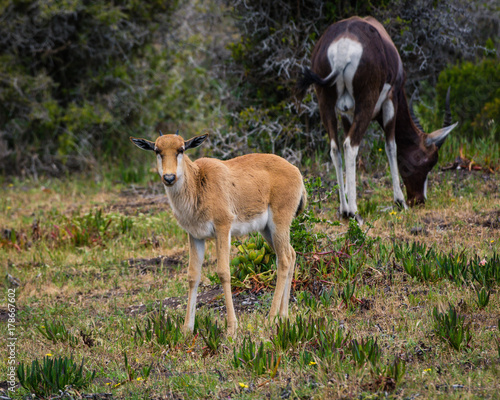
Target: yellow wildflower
pixel 243 385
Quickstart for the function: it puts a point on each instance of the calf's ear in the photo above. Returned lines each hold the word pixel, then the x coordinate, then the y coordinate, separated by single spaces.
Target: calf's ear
pixel 143 143
pixel 195 142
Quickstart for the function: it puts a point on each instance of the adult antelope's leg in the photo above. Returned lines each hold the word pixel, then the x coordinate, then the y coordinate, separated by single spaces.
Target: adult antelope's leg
pixel 196 254
pixel 389 125
pixel 337 162
pixel 351 147
pixel 329 119
pixel 223 243
pixel 281 241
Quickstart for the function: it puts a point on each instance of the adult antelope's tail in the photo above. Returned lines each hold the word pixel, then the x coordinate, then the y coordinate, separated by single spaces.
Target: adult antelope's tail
pixel 308 78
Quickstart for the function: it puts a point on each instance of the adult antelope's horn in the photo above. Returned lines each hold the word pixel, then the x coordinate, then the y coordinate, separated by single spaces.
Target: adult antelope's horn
pixel 161 134
pixel 447 110
pixel 412 113
pixel 177 132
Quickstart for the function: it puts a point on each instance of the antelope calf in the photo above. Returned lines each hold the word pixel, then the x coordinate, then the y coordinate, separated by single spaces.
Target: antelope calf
pixel 218 199
pixel 359 76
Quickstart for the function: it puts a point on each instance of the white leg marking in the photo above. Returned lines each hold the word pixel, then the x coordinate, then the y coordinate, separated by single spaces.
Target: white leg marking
pixel 351 152
pixel 387 112
pixel 381 99
pixel 391 151
pixel 425 187
pixel 159 166
pixel 337 161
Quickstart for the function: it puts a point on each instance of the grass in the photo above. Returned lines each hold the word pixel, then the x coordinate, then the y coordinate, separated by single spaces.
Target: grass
pixel 93 261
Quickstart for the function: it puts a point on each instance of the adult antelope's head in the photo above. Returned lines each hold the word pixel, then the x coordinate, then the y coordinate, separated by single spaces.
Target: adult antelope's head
pixel 417 158
pixel 169 151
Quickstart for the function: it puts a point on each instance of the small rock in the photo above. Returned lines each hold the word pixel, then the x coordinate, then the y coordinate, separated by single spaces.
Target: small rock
pixel 418 230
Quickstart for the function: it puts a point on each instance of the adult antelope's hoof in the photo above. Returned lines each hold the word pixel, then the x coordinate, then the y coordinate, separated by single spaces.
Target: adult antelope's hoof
pixel 401 205
pixel 358 218
pixel 349 215
pixel 346 214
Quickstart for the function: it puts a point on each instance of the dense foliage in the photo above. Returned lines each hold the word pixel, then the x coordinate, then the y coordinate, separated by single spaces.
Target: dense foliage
pixel 75 76
pixel 475 96
pixel 277 40
pixel 78 77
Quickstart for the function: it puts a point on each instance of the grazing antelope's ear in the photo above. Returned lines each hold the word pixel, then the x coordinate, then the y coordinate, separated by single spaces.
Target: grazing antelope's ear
pixel 438 137
pixel 195 142
pixel 143 143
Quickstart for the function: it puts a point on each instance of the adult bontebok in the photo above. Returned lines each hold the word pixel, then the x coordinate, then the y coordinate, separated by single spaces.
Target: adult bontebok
pixel 218 199
pixel 358 74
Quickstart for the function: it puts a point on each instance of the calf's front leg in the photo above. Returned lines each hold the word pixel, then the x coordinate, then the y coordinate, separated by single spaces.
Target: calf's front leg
pixel 196 254
pixel 223 243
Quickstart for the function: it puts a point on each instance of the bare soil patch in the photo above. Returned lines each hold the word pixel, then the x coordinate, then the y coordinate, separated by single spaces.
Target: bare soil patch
pixel 145 265
pixel 212 298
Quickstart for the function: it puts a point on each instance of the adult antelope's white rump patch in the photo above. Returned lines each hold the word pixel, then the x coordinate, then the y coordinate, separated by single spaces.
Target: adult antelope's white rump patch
pixel 344 56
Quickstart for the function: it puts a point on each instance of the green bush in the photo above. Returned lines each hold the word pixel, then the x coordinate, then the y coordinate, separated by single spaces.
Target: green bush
pixel 474 97
pixel 53 375
pixel 76 78
pixel 450 327
pixel 57 332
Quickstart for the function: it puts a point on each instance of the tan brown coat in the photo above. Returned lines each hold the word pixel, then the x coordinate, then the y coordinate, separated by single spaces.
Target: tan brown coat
pixel 218 199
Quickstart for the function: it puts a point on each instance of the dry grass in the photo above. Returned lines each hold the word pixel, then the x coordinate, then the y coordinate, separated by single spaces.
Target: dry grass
pixel 94 288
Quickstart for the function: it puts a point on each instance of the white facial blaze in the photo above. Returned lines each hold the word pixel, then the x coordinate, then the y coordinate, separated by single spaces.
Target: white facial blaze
pixel 159 166
pixel 425 187
pixel 180 169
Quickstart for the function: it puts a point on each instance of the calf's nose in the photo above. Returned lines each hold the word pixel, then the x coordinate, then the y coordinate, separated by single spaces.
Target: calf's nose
pixel 169 178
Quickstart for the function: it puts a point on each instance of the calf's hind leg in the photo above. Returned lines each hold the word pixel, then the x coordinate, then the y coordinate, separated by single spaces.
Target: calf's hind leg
pixel 281 242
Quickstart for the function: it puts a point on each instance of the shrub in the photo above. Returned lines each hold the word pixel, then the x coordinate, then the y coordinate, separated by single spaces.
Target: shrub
pixel 451 328
pixel 165 331
pixel 211 334
pixel 53 375
pixel 57 332
pixel 475 95
pixel 76 76
pixel 290 335
pixel 254 358
pixel 253 266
